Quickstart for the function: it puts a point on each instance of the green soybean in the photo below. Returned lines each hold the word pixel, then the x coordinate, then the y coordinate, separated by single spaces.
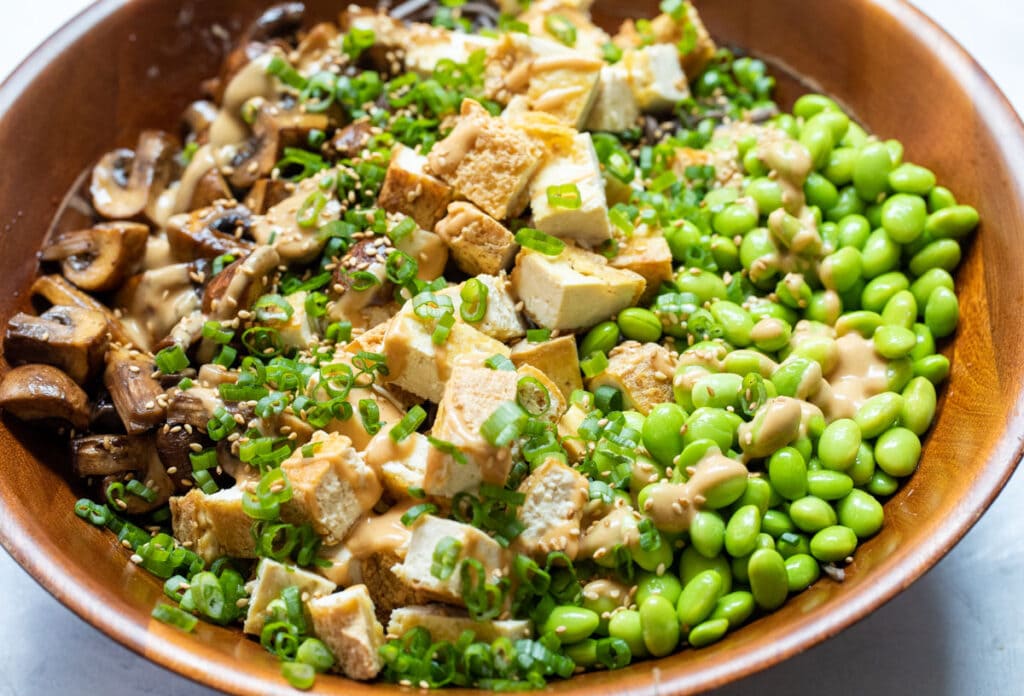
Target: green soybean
pixel 725 253
pixel 775 522
pixel 871 171
pixel 848 203
pixel 838 445
pixel 705 285
pixel 787 472
pixel 742 530
pixel 811 514
pixel 897 452
pixel 894 341
pixel 691 564
pixel 879 255
pixel 841 270
pixel 911 178
pixel 862 513
pixel 626 625
pixel 809 105
pixel 818 139
pixel 864 466
pixel 639 324
pixel 769 582
pixel 881 289
pixel 766 193
pixel 919 403
pixel 942 253
pixel 734 219
pixel 802 571
pixel 839 169
pixel 860 321
pixel 791 544
pixel 940 197
pixel 707 632
pixel 934 368
pixel 571 624
pixel 758 493
pixel 941 312
pixel 735 607
pixel 602 337
pixel 882 484
pixel 925 345
pixel 662 434
pixel 833 543
pixel 900 310
pixel 820 191
pixel 878 413
pixel 584 653
pixel 707 533
pixel 681 237
pixel 923 287
pixel 666 585
pixel 659 625
pixel 735 322
pixel 953 222
pixel 828 485
pixel 698 598
pixel 903 217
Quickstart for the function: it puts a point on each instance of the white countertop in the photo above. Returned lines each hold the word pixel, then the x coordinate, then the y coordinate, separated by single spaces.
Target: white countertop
pixel 956 631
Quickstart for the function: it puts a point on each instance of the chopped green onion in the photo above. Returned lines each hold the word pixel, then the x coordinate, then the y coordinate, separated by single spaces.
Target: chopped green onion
pixel 539 241
pixel 280 68
pixel 226 357
pixel 299 675
pixel 448 448
pixel 564 196
pixel 315 305
pixel 115 494
pixel 613 653
pixel 205 482
pixel 753 394
pixel 273 308
pixel 611 52
pixel 446 555
pixel 594 364
pixel 561 28
pixel 173 616
pixel 263 341
pixel 409 423
pixel 607 398
pixel 676 9
pixel 308 214
pixel 361 281
pixel 138 488
pixel 402 230
pixel 538 335
pixel 474 300
pixel 532 396
pixel 443 329
pixel 201 461
pixel 339 332
pixel 401 269
pixel 427 306
pixel 369 413
pixel 356 41
pixel 504 425
pixel 185 384
pixel 213 331
pixel 318 94
pixel 500 362
pixel 417 511
pixel 171 360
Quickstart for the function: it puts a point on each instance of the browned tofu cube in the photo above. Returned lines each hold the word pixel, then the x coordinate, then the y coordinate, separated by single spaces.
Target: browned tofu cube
pixel 271 579
pixel 642 372
pixel 409 189
pixel 488 161
pixel 648 256
pixel 213 525
pixel 557 358
pixel 553 510
pixel 478 243
pixel 345 621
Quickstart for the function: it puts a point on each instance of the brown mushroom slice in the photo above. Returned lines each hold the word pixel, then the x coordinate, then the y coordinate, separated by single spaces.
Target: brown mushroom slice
pixel 137 395
pixel 153 302
pixel 187 331
pixel 349 142
pixel 369 256
pixel 319 49
pixel 240 284
pixel 188 412
pixel 266 193
pixel 99 259
pixel 125 183
pixel 210 232
pixel 211 188
pixel 149 470
pixel 198 117
pixel 71 338
pixel 42 392
pixel 104 455
pixel 274 130
pixel 58 291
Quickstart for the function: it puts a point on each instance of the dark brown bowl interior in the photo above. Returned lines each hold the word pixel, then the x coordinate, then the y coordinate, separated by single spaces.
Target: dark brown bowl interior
pixel 124 65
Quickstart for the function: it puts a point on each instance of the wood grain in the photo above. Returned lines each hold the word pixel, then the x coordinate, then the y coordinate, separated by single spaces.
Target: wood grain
pixel 127 65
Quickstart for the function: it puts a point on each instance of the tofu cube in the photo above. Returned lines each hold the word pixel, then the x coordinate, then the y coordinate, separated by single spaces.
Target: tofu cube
pixel 557 358
pixel 298 331
pixel 271 579
pixel 429 251
pixel 501 320
pixel 478 243
pixel 426 535
pixel 615 109
pixel 642 372
pixel 448 623
pixel 649 256
pixel 589 37
pixel 471 395
pixel 668 30
pixel 553 510
pixel 417 365
pixel 400 465
pixel 332 488
pixel 574 290
pixel 657 81
pixel 410 190
pixel 345 621
pixel 568 429
pixel 428 45
pixel 486 160
pixel 213 525
pixel 578 165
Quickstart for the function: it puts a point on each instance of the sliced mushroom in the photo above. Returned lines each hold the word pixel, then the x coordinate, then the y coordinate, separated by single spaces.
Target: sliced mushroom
pixel 58 291
pixel 99 259
pixel 137 395
pixel 71 338
pixel 42 392
pixel 153 302
pixel 103 416
pixel 319 49
pixel 275 129
pixel 266 193
pixel 125 183
pixel 239 285
pixel 277 21
pixel 198 117
pixel 186 332
pixel 348 142
pixel 211 188
pixel 210 232
pixel 193 407
pixel 124 458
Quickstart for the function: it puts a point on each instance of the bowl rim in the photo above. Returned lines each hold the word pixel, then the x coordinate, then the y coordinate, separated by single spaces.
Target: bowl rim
pixel 65 588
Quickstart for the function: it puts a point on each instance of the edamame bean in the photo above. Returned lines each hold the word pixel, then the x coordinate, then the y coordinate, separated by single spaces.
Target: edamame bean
pixel 726 254
pixel 818 139
pixel 734 219
pixel 853 231
pixel 776 523
pixel 735 322
pixel 919 403
pixel 790 544
pixel 584 653
pixel 758 493
pixel 903 217
pixel 707 632
pixel 923 287
pixel 894 341
pixel 639 324
pixel 898 373
pixel 897 452
pixel 706 286
pixel 900 310
pixel 934 368
pixel 770 335
pixel 809 105
pixel 707 533
pixel 839 169
pixel 856 136
pixel 570 623
pixel 838 445
pixel 841 270
pixel 882 484
pixel 925 345
pixel 871 170
pixel 667 585
pixel 881 289
pixel 698 598
pixel 849 203
pixel 735 607
pixel 895 151
pixel 942 253
pixel 833 543
pixel 864 466
pixel 659 625
pixel 953 222
pixel 769 582
pixel 811 514
pixel 878 414
pixel 835 120
pixel 766 193
pixel 603 337
pixel 787 472
pixel 802 571
pixel 941 312
pixel 939 198
pixel 873 213
pixel 828 485
pixel 911 178
pixel 879 255
pixel 662 434
pixel 861 321
pixel 861 513
pixel 626 625
pixel 742 530
pixel 691 564
pixel 712 424
pixel 681 237
pixel 820 191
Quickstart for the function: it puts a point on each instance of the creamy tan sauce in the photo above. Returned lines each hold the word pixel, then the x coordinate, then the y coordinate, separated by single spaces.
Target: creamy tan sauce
pixel 776 424
pixel 250 82
pixel 860 373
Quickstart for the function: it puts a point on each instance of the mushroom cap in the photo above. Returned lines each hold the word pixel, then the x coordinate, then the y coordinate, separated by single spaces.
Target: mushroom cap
pixel 99 259
pixel 42 392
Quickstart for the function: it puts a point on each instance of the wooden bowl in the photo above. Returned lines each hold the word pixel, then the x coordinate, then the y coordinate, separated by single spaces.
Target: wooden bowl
pixel 122 66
